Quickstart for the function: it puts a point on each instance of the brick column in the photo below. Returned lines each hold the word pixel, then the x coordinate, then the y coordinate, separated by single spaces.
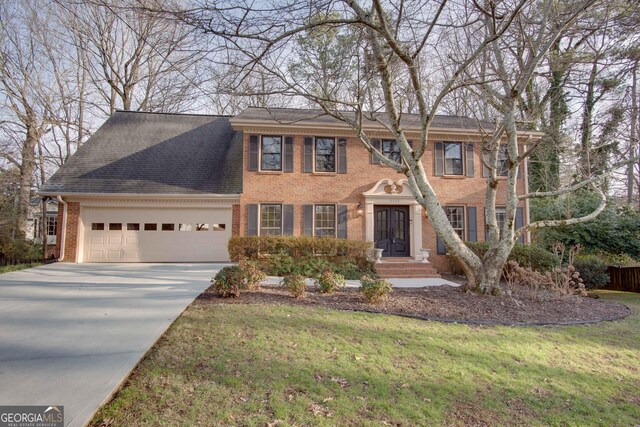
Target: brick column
pixel 71 232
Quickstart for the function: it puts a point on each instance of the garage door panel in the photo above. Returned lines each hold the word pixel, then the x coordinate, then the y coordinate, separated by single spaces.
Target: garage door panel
pixel 96 256
pixel 135 244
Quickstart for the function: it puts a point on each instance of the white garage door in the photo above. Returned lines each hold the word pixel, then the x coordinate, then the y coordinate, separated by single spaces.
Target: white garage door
pixel 155 234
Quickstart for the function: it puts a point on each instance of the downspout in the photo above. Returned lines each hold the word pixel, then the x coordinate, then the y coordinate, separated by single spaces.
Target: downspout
pixel 64 227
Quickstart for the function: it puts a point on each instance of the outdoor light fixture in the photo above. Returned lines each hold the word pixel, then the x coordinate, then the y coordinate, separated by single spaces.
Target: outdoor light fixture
pixel 359 210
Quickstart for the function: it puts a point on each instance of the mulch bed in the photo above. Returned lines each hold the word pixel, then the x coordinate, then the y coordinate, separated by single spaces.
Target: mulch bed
pixel 445 303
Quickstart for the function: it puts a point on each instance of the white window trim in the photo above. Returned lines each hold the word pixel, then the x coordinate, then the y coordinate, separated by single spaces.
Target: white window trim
pixel 444 158
pixel 464 220
pixel 335 218
pixel 335 155
pixel 281 153
pixel 260 217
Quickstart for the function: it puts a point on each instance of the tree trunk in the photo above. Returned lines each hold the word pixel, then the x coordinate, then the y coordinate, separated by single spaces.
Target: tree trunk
pixel 26 176
pixel 587 123
pixel 633 139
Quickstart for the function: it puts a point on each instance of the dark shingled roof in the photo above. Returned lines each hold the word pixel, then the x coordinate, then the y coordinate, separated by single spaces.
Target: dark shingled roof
pixel 155 154
pixel 294 115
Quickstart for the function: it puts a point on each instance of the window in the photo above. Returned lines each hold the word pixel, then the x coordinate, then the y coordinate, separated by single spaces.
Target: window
pixel 52 225
pixel 391 150
pixel 270 220
pixel 37 230
pixel 115 226
pixel 325 220
pixel 97 226
pixel 271 153
pixel 325 155
pixel 150 227
pixel 219 227
pixel 133 226
pixel 202 227
pixel 503 161
pixel 501 217
pixel 453 158
pixel 184 227
pixel 168 227
pixel 455 214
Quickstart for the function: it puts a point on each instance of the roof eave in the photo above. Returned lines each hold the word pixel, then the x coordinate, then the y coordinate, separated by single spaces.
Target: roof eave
pixel 340 127
pixel 145 196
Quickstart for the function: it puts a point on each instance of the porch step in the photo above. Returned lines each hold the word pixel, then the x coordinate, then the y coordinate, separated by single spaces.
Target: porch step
pixel 405 269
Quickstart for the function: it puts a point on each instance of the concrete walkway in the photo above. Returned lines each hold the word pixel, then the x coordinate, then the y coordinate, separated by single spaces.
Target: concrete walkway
pixel 71 333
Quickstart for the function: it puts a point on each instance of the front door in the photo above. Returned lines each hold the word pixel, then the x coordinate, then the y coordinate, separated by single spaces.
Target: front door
pixel 391 230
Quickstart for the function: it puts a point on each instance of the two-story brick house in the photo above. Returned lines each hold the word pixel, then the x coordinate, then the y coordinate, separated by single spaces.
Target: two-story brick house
pixel 166 187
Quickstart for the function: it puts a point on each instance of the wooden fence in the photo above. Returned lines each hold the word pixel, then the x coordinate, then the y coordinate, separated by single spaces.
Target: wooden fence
pixel 624 279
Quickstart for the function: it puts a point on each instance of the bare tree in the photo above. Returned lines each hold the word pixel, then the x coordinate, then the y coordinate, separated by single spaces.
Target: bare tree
pixel 404 39
pixel 22 82
pixel 135 60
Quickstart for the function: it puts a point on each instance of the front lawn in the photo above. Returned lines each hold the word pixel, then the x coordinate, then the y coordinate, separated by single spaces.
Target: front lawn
pixel 240 364
pixel 17 267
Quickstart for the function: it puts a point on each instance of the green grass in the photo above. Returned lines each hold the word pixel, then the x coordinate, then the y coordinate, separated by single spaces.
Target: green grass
pixel 17 267
pixel 252 365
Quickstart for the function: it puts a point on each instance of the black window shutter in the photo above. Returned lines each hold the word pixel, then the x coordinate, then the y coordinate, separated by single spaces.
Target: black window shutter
pixel 308 155
pixel 288 154
pixel 287 220
pixel 520 222
pixel 377 144
pixel 441 249
pixel 254 153
pixel 439 159
pixel 342 222
pixel 342 155
pixel 486 229
pixel 307 220
pixel 472 224
pixel 471 171
pixel 252 220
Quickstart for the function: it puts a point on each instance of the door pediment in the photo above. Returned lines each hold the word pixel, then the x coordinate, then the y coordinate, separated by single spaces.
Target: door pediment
pixel 389 191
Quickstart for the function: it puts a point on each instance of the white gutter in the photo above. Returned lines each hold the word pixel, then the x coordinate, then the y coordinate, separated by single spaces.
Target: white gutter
pixel 144 196
pixel 64 226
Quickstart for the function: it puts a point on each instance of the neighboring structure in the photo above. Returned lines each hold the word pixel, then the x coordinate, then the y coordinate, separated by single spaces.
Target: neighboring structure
pixel 34 223
pixel 166 187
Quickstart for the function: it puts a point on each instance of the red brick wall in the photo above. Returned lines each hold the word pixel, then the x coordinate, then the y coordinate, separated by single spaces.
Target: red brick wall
pixel 71 233
pixel 235 220
pixel 300 188
pixel 56 250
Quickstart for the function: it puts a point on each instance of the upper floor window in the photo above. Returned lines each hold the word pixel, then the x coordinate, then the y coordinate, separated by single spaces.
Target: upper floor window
pixel 455 214
pixel 325 220
pixel 391 150
pixel 271 153
pixel 503 161
pixel 325 154
pixel 453 158
pixel 270 220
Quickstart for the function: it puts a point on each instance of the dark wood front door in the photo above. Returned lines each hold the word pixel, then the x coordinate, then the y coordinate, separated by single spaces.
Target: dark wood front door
pixel 391 230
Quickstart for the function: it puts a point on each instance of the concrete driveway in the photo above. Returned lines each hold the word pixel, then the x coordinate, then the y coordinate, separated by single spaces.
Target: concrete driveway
pixel 71 333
